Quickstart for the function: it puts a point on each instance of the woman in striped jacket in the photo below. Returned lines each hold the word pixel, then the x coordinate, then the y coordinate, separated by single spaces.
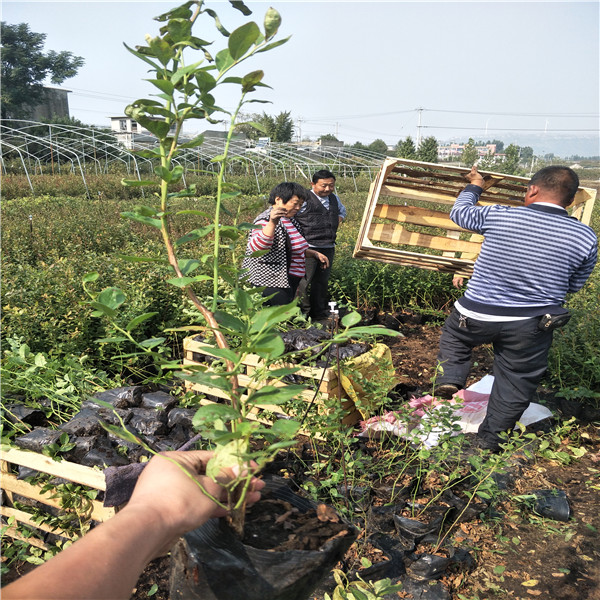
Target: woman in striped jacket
pixel 278 237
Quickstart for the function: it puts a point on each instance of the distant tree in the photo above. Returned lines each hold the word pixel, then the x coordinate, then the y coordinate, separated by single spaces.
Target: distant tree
pixel 526 153
pixel 283 128
pixel 279 128
pixel 359 146
pixel 406 149
pixel 499 145
pixel 378 146
pixel 25 67
pixel 488 162
pixel 510 164
pixel 428 150
pixel 470 153
pixel 328 137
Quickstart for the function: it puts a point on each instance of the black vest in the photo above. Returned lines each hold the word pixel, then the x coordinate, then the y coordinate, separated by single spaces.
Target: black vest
pixel 319 224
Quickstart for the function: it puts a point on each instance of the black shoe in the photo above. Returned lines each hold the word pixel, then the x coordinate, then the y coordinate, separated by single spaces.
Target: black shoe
pixel 445 391
pixel 481 444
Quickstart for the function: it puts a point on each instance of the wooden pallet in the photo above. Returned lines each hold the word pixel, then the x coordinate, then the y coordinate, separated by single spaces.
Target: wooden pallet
pixel 406 219
pixel 324 381
pixel 66 470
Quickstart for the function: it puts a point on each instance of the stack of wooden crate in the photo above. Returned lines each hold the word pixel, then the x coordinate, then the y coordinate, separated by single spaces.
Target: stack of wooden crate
pixel 13 487
pixel 322 381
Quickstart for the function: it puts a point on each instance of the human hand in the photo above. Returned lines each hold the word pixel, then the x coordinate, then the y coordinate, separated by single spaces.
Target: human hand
pixel 173 499
pixel 474 176
pixel 322 259
pixel 277 212
pixel 457 281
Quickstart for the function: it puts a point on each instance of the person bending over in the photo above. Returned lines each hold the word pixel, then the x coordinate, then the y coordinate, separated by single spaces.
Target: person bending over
pixel 532 256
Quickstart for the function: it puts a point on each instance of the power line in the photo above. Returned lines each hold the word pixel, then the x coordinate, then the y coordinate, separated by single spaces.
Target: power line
pixel 508 129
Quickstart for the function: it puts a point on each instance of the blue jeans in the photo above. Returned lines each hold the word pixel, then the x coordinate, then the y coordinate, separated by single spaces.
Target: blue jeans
pixel 520 361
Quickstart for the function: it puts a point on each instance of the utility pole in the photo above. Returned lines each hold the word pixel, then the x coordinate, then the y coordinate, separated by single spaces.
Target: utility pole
pixel 299 129
pixel 420 111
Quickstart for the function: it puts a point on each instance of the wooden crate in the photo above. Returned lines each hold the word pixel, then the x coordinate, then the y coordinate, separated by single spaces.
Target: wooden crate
pixel 66 470
pixel 400 212
pixel 323 380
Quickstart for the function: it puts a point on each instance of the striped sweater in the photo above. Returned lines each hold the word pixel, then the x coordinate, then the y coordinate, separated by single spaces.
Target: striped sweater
pixel 259 241
pixel 531 256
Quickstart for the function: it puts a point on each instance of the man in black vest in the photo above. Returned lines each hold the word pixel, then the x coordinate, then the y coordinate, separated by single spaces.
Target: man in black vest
pixel 319 217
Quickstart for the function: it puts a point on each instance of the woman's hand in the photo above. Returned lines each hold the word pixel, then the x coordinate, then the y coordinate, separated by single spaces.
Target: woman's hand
pixel 320 257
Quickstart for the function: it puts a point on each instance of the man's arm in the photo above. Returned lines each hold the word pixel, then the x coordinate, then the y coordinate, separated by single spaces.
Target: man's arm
pixel 341 210
pixel 106 563
pixel 464 212
pixel 582 274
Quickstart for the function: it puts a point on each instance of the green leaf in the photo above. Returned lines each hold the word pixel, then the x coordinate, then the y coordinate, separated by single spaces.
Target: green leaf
pixel 194 235
pixel 251 79
pixel 142 219
pixel 121 433
pixel 269 346
pixel 351 319
pixel 270 47
pixel 225 353
pixel 210 412
pixel 223 60
pixel 137 182
pixel 285 428
pixel 152 342
pixel 273 315
pixel 242 39
pixel 218 23
pixel 188 265
pixel 499 569
pixel 161 49
pixel 270 394
pixel 206 81
pixel 139 320
pixel 197 141
pixel 179 29
pixel 153 590
pixel 112 297
pixel 111 340
pixel 239 5
pixel 230 321
pixel 164 173
pixel 272 23
pixel 92 276
pixel 163 85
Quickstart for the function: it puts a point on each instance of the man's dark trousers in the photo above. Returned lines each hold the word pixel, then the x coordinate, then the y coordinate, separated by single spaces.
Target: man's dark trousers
pixel 313 290
pixel 520 361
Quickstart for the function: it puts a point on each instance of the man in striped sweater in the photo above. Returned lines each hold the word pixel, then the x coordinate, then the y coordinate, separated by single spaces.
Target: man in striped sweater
pixel 531 257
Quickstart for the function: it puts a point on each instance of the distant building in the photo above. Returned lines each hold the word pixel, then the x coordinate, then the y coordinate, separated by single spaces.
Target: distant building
pixel 131 134
pixel 449 151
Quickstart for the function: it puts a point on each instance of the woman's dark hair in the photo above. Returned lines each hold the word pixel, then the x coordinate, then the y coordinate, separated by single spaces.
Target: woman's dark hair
pixel 560 180
pixel 322 174
pixel 287 190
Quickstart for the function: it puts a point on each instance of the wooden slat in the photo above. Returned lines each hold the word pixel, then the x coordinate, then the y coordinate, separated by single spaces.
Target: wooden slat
pixel 396 234
pixel 416 216
pixel 253 360
pixel 66 470
pixel 12 484
pixel 14 533
pixel 27 519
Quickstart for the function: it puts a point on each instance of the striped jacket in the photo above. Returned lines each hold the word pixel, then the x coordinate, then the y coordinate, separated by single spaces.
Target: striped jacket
pixel 531 256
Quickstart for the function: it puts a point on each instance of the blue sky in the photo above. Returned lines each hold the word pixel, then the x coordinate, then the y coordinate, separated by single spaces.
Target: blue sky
pixel 361 69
